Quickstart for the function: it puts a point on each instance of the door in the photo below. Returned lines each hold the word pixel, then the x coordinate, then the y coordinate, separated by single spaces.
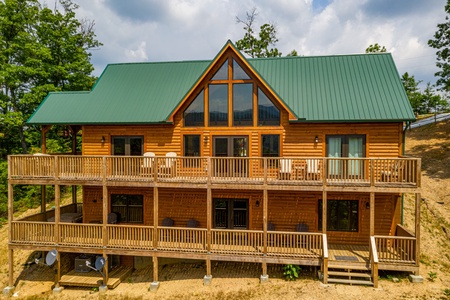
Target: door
pixel 230 213
pixel 351 147
pixel 230 152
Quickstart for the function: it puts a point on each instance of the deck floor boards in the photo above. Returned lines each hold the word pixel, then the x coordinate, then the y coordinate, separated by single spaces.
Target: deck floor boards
pixel 94 279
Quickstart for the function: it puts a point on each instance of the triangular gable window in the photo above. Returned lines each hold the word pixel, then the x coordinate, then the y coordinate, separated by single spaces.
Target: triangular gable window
pixel 222 73
pixel 268 113
pixel 194 115
pixel 238 72
pixel 230 99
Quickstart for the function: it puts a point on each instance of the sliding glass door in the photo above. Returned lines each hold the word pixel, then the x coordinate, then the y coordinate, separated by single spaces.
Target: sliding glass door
pixel 347 146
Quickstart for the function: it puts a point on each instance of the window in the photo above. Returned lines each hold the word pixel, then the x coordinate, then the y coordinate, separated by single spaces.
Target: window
pixel 127 145
pixel 129 208
pixel 270 145
pixel 218 104
pixel 192 145
pixel 351 146
pixel 231 98
pixel 243 104
pixel 194 115
pixel 268 113
pixel 342 215
pixel 230 213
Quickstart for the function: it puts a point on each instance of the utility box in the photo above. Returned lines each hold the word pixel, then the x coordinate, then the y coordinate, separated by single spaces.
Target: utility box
pixel 80 263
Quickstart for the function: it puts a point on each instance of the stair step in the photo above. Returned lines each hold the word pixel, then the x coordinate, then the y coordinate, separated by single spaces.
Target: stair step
pixel 349 274
pixel 350 281
pixel 343 265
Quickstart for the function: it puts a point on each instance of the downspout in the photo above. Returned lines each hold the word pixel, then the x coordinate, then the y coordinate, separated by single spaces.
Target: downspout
pixel 403 154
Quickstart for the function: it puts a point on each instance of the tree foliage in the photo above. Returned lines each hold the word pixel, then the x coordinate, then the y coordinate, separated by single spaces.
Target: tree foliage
pixel 258 45
pixel 441 42
pixel 375 48
pixel 41 50
pixel 413 92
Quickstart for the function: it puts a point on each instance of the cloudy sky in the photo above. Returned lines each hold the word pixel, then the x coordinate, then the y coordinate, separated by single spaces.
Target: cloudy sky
pixel 168 30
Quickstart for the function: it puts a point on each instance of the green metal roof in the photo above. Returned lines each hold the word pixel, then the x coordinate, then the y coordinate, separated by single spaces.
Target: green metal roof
pixel 345 88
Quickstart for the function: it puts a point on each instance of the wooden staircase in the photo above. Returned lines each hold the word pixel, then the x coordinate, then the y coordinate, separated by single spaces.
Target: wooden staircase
pixel 355 275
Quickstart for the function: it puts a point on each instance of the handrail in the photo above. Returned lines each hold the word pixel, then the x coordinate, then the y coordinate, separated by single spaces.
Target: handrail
pixel 325 245
pixel 374 261
pixel 325 258
pixel 250 170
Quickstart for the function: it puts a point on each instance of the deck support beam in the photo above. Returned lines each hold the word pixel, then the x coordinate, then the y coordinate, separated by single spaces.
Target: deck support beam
pixel 324 211
pixel 10 220
pixel 417 230
pixel 372 214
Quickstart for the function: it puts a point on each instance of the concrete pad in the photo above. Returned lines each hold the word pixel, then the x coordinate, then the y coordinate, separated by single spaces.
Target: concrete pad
pixel 57 290
pixel 102 289
pixel 264 278
pixel 7 291
pixel 207 280
pixel 415 278
pixel 154 286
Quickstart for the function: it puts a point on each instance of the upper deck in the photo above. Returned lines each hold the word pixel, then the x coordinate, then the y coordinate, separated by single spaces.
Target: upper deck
pixel 274 173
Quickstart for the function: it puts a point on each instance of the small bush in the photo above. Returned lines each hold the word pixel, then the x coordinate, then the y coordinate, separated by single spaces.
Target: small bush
pixel 291 272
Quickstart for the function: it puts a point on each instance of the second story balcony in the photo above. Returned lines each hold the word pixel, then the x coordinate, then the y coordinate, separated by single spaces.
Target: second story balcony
pixel 289 172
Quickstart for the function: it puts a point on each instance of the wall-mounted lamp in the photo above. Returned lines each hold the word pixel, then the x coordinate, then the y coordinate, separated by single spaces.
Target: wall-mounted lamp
pixel 257 203
pixel 103 139
pixel 316 139
pixel 205 139
pixel 367 205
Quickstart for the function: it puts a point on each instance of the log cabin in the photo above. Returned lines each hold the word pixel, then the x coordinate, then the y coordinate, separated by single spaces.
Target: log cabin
pixel 287 160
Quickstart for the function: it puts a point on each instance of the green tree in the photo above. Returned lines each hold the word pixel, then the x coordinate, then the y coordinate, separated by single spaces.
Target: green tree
pixel 441 42
pixel 41 50
pixel 257 45
pixel 413 92
pixel 375 48
pixel 433 102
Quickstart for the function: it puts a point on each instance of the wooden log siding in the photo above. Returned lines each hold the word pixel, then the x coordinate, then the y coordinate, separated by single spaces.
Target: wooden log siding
pixel 382 139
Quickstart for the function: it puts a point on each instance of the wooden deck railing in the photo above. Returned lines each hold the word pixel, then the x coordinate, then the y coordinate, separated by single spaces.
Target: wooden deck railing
pixel 245 170
pixel 32 233
pixel 180 239
pixel 396 249
pixel 295 244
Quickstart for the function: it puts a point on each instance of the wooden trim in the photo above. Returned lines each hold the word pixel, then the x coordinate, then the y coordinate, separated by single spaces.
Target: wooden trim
pixel 265 213
pixel 155 216
pixel 57 212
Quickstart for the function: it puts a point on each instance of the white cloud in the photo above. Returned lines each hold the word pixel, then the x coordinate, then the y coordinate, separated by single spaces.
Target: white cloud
pixel 197 29
pixel 137 54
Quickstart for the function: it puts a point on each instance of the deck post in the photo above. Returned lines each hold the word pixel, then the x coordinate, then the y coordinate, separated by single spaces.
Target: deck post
pixel 324 212
pixel 105 272
pixel 155 217
pixel 57 212
pixel 265 213
pixel 208 218
pixel 11 268
pixel 105 205
pixel 417 231
pixel 10 220
pixel 155 284
pixel 372 214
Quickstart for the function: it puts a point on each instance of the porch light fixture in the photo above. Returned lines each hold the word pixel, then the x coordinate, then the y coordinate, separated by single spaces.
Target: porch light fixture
pixel 103 139
pixel 257 203
pixel 316 139
pixel 367 205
